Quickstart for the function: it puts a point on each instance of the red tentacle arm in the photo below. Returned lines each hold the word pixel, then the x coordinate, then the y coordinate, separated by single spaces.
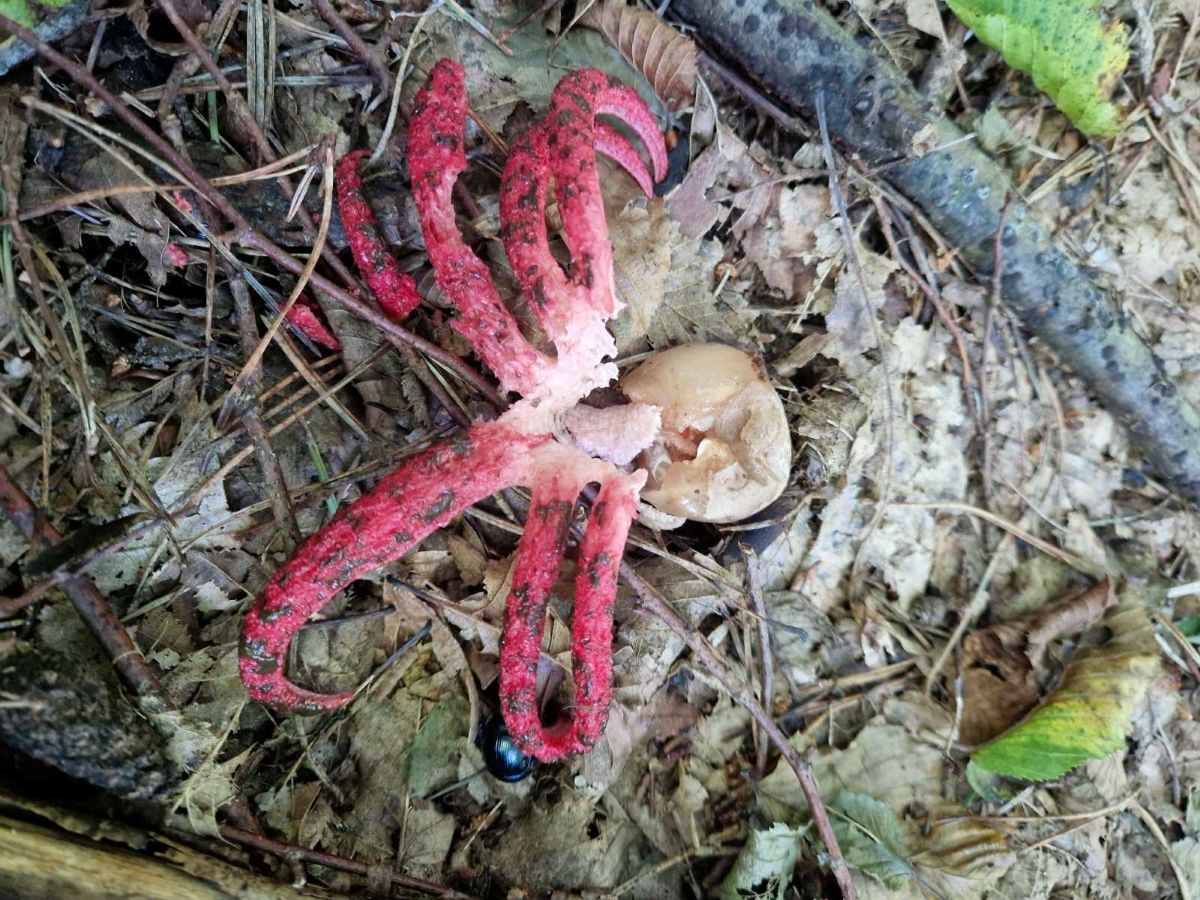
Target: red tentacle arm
pixel 424 493
pixel 435 160
pixel 576 101
pixel 536 571
pixel 619 149
pixel 395 291
pixel 524 232
pixel 563 145
pixel 559 474
pixel 304 316
pixel 597 569
pixel 409 503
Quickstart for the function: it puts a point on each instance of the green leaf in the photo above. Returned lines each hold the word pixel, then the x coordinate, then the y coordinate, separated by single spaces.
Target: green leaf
pixel 871 838
pixel 23 12
pixel 1088 716
pixel 436 748
pixel 1072 54
pixel 1190 627
pixel 990 787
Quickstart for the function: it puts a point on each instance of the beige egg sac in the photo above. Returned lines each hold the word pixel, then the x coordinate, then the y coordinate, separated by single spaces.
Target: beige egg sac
pixel 724 451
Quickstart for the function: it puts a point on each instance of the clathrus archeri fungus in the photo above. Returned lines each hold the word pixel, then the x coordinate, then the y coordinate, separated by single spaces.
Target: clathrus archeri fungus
pixel 533 443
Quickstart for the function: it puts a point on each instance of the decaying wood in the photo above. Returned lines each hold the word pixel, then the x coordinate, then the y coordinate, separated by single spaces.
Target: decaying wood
pixel 797 51
pixel 41 862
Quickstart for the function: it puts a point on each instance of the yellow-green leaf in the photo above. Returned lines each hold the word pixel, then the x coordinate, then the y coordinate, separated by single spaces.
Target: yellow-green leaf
pixel 23 11
pixel 49 19
pixel 1088 716
pixel 870 835
pixel 1065 45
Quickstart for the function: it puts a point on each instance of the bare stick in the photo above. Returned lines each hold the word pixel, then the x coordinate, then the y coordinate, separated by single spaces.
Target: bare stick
pixel 89 602
pixel 755 589
pixel 357 45
pixel 293 852
pixel 251 415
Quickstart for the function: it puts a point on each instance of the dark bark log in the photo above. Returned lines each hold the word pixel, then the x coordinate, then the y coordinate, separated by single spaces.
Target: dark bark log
pixel 798 52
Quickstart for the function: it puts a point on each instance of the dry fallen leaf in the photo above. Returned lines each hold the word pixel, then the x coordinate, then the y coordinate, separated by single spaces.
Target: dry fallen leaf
pixel 659 52
pixel 727 176
pixel 999 663
pixel 668 283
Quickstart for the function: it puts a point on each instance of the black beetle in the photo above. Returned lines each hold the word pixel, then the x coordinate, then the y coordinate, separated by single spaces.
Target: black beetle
pixel 504 759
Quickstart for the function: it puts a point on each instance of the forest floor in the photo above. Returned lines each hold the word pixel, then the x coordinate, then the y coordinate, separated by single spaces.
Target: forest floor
pixel 967 538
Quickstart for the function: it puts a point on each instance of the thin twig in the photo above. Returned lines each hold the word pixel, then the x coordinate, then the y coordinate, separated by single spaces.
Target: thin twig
pixel 766 657
pixel 1064 556
pixel 89 602
pixel 397 91
pixel 1191 655
pixel 342 864
pixel 237 103
pixel 843 214
pixel 989 315
pixel 525 20
pixel 932 294
pixel 973 610
pixel 76 381
pixel 357 45
pixel 665 865
pixel 1182 878
pixel 475 24
pixel 285 164
pixel 251 415
pixel 753 95
pixel 196 493
pixel 981 596
pixel 186 67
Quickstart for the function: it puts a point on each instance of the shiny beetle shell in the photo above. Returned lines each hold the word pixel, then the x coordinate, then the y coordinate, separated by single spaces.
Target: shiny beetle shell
pixel 504 759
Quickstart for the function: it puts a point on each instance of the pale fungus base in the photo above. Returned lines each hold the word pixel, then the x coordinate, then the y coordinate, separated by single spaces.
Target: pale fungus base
pixel 724 451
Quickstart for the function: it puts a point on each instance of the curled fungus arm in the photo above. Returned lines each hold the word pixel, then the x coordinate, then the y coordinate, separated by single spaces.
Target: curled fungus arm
pixel 517 450
pixel 408 504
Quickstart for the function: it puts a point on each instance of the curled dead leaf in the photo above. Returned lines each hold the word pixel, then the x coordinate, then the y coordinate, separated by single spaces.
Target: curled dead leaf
pixel 139 14
pixel 659 52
